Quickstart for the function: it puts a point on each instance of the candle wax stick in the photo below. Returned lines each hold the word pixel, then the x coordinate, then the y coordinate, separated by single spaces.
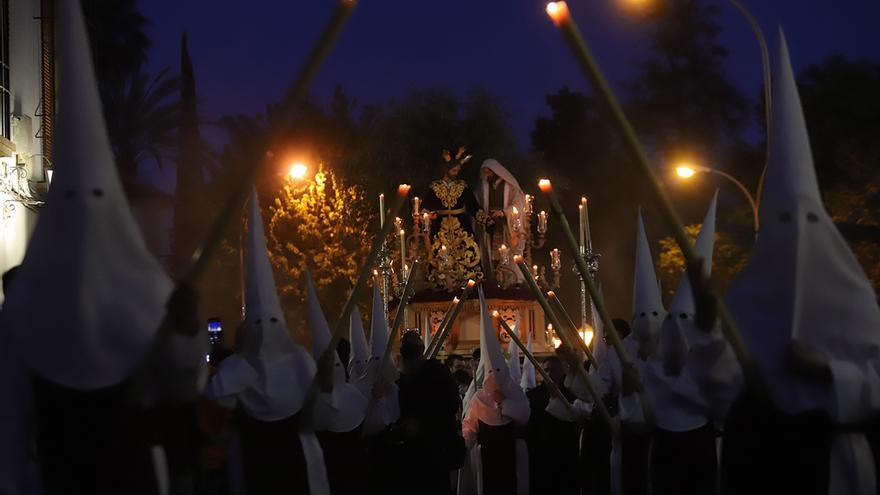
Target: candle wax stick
pixel 588 242
pixel 381 210
pixel 402 248
pixel 581 231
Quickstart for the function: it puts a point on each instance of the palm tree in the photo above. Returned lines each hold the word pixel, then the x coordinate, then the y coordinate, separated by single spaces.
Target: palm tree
pixel 142 114
pixel 119 39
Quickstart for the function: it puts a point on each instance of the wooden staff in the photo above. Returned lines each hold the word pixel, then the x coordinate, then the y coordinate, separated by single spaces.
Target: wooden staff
pixel 700 281
pixel 233 204
pixel 442 324
pixel 339 326
pixel 548 311
pixel 571 328
pixel 445 331
pixel 554 389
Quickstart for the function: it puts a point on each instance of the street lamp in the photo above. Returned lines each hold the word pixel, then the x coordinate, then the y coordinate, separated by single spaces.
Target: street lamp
pixel 298 171
pixel 688 170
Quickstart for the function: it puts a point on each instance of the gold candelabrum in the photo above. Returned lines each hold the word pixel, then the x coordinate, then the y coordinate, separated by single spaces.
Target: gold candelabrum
pixel 528 226
pixel 530 231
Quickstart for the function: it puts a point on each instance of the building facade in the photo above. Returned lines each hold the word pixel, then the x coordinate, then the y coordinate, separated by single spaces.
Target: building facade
pixel 27 90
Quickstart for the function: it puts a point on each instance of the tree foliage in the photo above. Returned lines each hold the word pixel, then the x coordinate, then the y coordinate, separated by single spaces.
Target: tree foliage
pixel 728 259
pixel 322 225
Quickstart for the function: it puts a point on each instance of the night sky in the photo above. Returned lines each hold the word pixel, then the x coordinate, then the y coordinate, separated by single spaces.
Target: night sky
pixel 246 53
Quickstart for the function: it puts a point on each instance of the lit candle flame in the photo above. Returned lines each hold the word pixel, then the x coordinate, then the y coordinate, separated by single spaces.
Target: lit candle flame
pixel 558 11
pixel 495 313
pixel 455 300
pixel 403 189
pixel 545 185
pixel 470 284
pixel 551 294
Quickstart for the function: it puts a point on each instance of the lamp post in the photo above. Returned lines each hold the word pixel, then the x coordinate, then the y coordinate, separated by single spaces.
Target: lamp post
pixel 687 170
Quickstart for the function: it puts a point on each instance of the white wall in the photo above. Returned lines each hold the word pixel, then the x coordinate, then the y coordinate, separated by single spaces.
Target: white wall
pixel 17 222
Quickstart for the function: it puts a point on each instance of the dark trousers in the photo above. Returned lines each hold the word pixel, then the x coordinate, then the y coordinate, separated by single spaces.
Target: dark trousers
pixel 684 463
pixel 345 462
pixel 272 455
pixel 635 460
pixel 498 456
pixel 767 451
pixel 94 442
pixel 596 458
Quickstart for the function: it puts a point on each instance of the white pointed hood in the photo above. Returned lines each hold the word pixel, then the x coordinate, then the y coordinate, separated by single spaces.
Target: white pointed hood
pixel 89 295
pixel 379 341
pixel 513 352
pixel 490 348
pixel 283 369
pixel 648 309
pixel 349 403
pixel 678 326
pixel 801 282
pixel 385 410
pixel 267 337
pixel 683 301
pixel 320 330
pixel 528 381
pixel 360 353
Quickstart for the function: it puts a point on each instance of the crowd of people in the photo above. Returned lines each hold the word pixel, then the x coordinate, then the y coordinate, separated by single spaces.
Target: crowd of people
pixel 104 388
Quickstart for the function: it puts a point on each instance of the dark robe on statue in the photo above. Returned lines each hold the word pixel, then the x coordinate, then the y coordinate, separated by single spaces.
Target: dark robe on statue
pixel 768 451
pixel 553 448
pixel 272 455
pixel 456 208
pixel 94 442
pixel 425 443
pixel 498 457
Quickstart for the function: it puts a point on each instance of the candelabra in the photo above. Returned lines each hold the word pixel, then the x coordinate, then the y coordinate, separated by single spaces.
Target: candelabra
pixel 592 260
pixel 556 266
pixel 385 271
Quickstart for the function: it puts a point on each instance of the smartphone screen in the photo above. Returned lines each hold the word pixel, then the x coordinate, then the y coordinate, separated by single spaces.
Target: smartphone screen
pixel 215 330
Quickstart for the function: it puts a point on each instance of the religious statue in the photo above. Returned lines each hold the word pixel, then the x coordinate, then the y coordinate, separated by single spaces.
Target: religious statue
pixel 454 253
pixel 504 204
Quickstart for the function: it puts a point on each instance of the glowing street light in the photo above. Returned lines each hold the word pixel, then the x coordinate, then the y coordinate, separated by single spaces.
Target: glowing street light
pixel 298 171
pixel 685 171
pixel 688 170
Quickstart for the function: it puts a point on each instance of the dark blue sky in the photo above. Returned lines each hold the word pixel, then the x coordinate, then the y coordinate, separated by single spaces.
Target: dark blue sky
pixel 246 52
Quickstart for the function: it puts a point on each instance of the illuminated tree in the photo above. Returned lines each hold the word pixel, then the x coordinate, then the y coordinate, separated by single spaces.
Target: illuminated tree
pixel 727 260
pixel 323 224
